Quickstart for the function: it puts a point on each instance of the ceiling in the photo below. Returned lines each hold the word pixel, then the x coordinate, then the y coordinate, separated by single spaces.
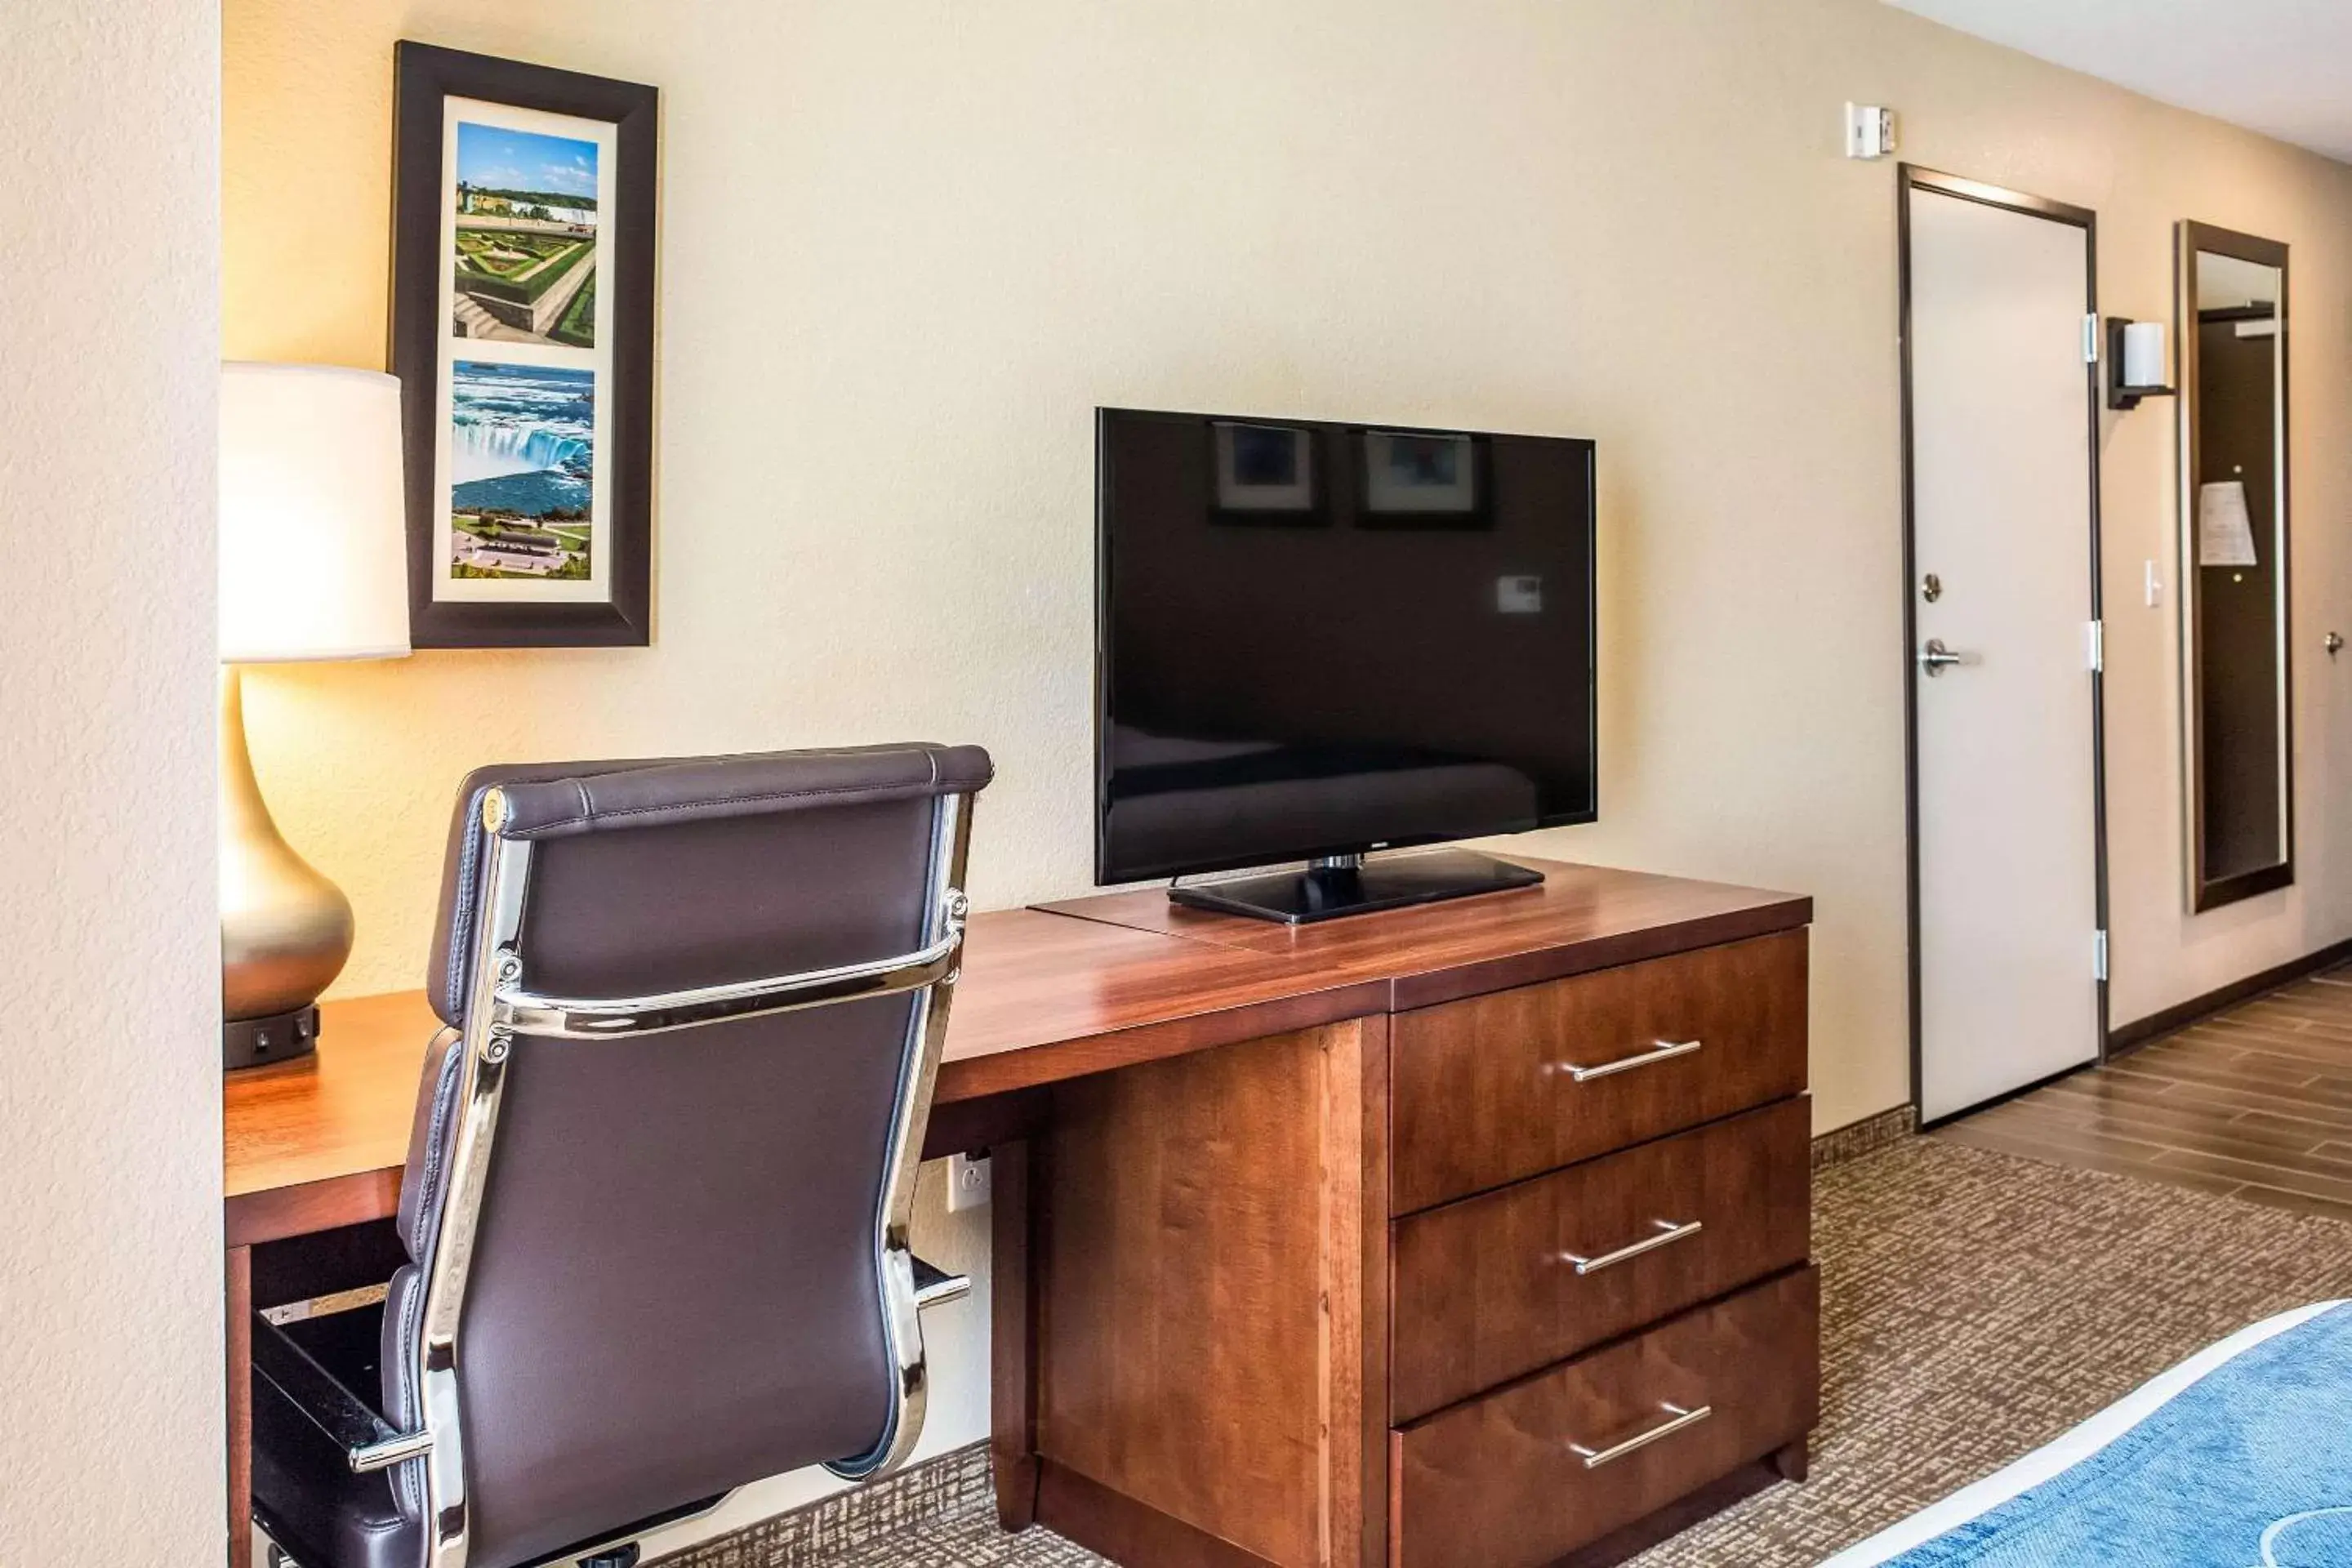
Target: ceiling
pixel 2280 67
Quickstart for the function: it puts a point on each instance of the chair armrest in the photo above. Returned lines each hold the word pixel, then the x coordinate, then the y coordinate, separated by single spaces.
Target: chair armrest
pixel 937 1288
pixel 369 1442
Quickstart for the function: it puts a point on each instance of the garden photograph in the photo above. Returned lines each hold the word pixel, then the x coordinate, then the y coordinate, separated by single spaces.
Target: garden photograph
pixel 526 237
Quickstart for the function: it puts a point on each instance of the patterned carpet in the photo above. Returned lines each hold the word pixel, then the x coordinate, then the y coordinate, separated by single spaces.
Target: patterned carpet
pixel 1975 1306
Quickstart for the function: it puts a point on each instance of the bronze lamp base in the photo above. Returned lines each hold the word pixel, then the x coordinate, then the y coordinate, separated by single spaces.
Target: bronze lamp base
pixel 256 1042
pixel 285 929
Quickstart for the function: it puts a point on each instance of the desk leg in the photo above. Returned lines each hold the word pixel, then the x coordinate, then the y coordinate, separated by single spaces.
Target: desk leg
pixel 1013 1329
pixel 240 1406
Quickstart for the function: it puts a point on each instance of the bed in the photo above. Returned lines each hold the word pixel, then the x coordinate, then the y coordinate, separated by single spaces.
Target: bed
pixel 2239 1458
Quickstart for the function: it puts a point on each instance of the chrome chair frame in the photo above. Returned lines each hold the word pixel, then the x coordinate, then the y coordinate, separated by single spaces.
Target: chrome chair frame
pixel 499 1006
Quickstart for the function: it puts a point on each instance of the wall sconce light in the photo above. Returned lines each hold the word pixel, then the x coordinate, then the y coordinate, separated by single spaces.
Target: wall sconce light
pixel 2136 362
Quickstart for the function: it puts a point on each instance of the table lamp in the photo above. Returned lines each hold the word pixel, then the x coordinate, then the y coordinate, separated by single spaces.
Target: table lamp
pixel 313 565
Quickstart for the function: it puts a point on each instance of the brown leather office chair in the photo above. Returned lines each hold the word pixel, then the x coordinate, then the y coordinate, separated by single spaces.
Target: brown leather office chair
pixel 656 1198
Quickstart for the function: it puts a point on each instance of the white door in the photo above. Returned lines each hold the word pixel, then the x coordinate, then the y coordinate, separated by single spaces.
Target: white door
pixel 2002 534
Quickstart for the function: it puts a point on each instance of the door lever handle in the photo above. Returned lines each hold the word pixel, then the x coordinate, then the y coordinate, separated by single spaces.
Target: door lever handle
pixel 1935 655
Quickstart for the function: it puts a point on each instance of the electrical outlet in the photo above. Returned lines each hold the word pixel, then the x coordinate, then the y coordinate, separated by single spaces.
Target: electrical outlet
pixel 968 1184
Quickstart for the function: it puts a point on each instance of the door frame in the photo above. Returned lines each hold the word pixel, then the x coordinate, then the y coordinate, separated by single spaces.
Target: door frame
pixel 1911 177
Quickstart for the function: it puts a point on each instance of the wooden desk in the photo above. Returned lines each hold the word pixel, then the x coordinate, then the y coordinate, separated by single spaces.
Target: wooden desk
pixel 1212 1225
pixel 318 1141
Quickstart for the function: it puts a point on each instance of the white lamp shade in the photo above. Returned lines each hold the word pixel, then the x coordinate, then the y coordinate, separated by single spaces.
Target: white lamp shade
pixel 313 548
pixel 2144 354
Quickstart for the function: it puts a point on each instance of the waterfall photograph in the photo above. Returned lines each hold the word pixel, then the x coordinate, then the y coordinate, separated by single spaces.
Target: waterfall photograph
pixel 521 467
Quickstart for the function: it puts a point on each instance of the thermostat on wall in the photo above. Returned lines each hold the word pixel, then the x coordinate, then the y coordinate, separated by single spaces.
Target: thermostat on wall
pixel 1869 131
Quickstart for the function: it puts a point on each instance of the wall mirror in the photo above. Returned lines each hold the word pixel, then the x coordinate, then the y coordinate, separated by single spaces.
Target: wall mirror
pixel 2236 673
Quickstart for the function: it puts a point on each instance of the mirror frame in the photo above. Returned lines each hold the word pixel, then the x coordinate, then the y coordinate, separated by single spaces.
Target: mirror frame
pixel 2203 894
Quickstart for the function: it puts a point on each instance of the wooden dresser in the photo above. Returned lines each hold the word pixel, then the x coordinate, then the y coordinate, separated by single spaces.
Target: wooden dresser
pixel 1512 1273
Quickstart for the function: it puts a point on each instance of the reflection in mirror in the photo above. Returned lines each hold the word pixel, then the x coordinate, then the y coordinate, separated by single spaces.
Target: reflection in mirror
pixel 2234 573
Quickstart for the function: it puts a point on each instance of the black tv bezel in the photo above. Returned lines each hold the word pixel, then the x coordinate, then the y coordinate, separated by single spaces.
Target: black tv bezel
pixel 1106 875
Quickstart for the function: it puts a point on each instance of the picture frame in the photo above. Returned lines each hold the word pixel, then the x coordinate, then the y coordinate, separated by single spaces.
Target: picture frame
pixel 1266 475
pixel 1423 479
pixel 522 335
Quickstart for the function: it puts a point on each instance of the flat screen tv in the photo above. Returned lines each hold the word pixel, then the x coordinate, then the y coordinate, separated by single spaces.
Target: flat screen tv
pixel 1319 640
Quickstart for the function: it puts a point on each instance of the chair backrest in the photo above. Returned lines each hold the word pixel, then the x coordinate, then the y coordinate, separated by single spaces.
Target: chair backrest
pixel 657 1193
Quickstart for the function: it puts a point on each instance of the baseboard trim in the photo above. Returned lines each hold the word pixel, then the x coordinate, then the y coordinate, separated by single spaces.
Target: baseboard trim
pixel 2197 1009
pixel 1866 1136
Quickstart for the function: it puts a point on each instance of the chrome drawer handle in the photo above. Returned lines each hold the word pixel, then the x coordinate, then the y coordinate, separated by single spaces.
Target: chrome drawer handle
pixel 1594 1458
pixel 1659 1051
pixel 1668 1233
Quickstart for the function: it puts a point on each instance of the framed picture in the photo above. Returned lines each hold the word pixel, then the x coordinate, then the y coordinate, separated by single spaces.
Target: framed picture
pixel 1424 479
pixel 1265 473
pixel 522 333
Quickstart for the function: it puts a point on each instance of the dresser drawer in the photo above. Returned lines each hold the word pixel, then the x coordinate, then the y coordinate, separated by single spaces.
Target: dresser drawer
pixel 1498 1285
pixel 1512 1084
pixel 1534 1471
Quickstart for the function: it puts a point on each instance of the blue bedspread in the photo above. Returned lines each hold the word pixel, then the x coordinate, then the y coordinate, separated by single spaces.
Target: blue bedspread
pixel 2250 1466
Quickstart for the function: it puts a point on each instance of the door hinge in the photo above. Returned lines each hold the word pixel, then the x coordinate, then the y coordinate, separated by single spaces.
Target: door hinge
pixel 2094 645
pixel 2091 339
pixel 2098 955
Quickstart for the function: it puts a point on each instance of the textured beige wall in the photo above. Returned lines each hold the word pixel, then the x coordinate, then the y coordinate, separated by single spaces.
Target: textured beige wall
pixel 109 1097
pixel 906 248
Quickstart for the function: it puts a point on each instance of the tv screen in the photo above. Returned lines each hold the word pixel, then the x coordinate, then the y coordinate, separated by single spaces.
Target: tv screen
pixel 1321 639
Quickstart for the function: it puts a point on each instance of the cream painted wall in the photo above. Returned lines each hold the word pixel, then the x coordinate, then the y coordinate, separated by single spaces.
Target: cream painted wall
pixel 2164 954
pixel 907 246
pixel 110 1435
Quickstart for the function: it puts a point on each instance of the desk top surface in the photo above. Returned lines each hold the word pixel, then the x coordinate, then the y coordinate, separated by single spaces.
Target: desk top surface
pixel 1045 994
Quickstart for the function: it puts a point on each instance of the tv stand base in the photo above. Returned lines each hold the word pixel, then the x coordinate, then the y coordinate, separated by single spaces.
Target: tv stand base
pixel 1351 885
